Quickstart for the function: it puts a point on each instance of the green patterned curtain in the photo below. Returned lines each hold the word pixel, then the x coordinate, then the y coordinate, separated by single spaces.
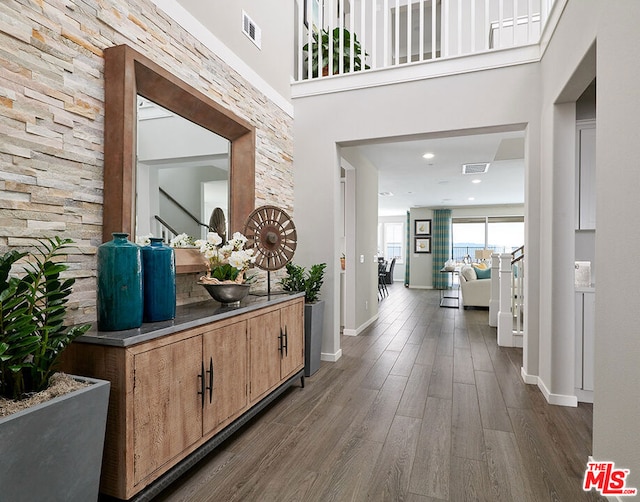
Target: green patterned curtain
pixel 407 251
pixel 441 246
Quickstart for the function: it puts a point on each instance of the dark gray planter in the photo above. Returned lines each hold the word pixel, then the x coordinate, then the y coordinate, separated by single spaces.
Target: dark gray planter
pixel 53 451
pixel 313 316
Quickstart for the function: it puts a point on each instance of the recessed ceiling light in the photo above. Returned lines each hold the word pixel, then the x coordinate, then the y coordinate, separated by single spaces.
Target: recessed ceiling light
pixel 428 155
pixel 385 194
pixel 476 181
pixel 472 198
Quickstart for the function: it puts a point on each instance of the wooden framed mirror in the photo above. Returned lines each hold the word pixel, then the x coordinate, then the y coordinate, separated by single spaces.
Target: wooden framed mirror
pixel 128 75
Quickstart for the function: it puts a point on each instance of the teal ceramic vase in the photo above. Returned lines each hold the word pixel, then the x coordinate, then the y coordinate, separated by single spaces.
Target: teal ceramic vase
pixel 120 293
pixel 159 272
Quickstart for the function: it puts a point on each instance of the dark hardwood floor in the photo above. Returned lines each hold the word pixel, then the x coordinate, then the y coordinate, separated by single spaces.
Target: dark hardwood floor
pixel 423 406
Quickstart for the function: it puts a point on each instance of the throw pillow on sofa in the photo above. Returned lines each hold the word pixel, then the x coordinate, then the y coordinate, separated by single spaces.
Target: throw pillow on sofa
pixel 483 273
pixel 469 273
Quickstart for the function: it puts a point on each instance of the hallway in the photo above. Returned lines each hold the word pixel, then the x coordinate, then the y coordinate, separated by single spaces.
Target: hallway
pixel 423 406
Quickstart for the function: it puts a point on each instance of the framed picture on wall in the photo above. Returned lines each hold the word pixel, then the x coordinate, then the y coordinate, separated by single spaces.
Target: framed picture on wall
pixel 423 245
pixel 423 227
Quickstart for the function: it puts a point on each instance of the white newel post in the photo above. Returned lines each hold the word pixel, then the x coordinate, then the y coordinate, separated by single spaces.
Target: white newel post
pixel 505 319
pixel 494 302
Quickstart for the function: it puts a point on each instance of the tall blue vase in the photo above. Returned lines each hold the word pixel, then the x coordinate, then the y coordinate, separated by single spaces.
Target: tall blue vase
pixel 159 268
pixel 120 298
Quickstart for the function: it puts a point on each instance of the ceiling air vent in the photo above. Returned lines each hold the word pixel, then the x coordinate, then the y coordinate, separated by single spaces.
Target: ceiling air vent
pixel 477 168
pixel 250 29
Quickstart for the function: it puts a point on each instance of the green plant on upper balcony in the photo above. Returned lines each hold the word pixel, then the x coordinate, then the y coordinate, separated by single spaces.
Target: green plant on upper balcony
pixel 339 52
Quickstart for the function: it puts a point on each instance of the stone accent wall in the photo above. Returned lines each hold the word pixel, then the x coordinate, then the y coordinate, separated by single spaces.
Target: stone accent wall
pixel 52 117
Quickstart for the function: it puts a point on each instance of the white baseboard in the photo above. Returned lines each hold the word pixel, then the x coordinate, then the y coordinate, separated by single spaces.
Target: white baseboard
pixel 513 339
pixel 529 379
pixel 361 328
pixel 518 340
pixel 332 358
pixel 558 399
pixel 584 396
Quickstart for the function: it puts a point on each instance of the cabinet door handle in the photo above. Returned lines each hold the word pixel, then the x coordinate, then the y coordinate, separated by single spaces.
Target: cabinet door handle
pixel 210 371
pixel 286 342
pixel 202 385
pixel 280 341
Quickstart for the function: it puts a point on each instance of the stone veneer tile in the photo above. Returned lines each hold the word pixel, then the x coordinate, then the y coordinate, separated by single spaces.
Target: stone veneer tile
pixel 52 122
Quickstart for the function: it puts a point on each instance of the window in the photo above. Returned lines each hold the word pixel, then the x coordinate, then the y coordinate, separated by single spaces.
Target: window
pixel 505 234
pixel 501 234
pixel 393 241
pixel 468 234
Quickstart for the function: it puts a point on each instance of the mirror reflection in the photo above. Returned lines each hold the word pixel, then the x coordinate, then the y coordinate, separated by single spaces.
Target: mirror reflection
pixel 182 175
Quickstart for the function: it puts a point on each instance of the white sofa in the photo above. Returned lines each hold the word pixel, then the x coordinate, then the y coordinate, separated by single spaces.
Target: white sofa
pixel 475 292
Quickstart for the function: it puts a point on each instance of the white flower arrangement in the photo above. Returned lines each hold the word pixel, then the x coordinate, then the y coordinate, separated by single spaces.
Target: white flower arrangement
pixel 143 240
pixel 226 262
pixel 182 241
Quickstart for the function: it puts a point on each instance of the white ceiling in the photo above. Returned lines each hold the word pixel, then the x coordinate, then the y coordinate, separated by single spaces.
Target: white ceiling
pixel 439 182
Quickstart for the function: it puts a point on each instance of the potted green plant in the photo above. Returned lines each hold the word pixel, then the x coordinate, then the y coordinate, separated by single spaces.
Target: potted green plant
pixel 299 280
pixel 53 448
pixel 340 52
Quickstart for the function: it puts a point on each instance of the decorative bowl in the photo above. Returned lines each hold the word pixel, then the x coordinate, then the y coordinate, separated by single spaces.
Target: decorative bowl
pixel 229 295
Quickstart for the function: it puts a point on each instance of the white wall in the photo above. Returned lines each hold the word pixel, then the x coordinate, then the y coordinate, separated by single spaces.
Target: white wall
pixel 570 63
pixel 363 262
pixel 520 95
pixel 421 264
pixel 274 61
pixel 567 69
pixel 479 211
pixel 617 372
pixel 501 98
pixel 318 222
pixel 174 137
pixel 188 193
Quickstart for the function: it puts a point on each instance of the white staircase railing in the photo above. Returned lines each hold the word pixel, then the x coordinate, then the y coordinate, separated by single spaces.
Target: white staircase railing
pixel 509 317
pixel 494 302
pixel 517 291
pixel 162 229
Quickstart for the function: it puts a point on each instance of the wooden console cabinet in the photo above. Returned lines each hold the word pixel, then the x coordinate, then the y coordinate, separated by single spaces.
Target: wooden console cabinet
pixel 175 393
pixel 274 359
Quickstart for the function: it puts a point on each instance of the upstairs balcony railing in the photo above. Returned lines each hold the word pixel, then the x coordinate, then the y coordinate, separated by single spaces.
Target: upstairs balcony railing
pixel 344 36
pixel 459 253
